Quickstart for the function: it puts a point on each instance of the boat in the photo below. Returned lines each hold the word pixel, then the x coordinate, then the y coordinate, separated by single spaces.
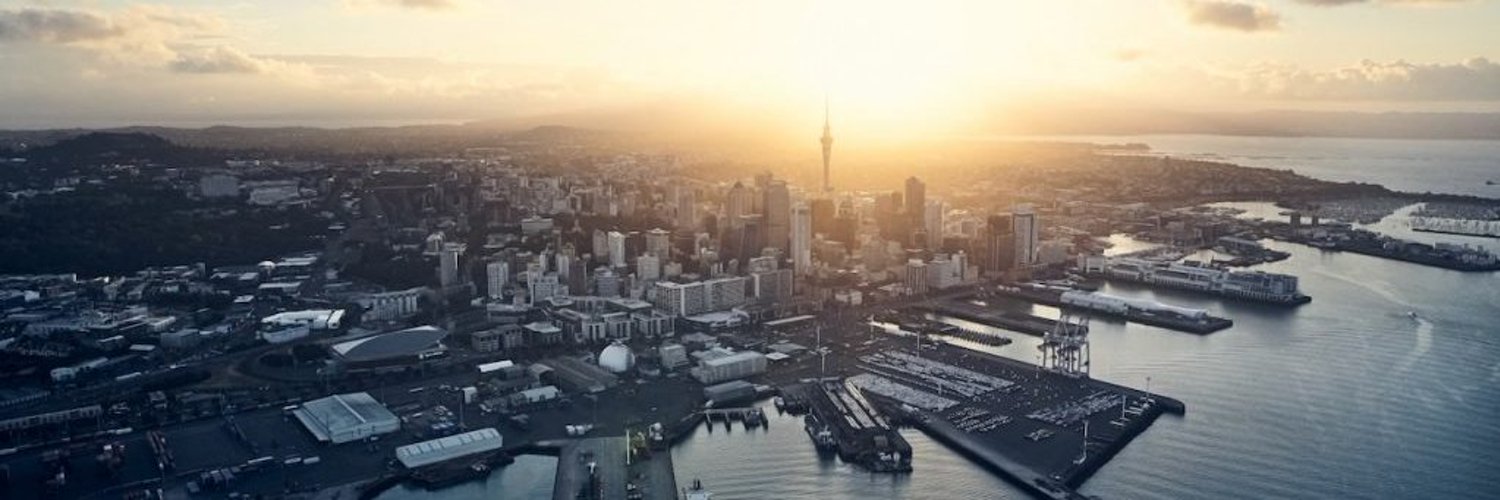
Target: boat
pixel 1411 314
pixel 822 437
pixel 697 492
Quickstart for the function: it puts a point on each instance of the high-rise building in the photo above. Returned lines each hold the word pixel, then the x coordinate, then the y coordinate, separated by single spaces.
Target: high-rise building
pixel 778 216
pixel 736 205
pixel 448 269
pixel 498 274
pixel 916 200
pixel 999 244
pixel 648 267
pixel 601 245
pixel 659 243
pixel 1026 235
pixel 687 209
pixel 801 244
pixel 823 214
pixel 617 255
pixel 606 283
pixel 542 287
pixel 916 276
pixel 932 222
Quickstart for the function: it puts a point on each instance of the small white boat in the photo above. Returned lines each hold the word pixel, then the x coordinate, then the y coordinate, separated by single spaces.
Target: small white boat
pixel 1411 314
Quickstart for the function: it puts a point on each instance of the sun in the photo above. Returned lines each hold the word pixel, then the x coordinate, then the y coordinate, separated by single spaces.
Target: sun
pixel 890 67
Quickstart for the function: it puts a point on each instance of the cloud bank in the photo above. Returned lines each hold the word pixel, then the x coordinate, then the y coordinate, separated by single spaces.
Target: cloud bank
pixel 1232 15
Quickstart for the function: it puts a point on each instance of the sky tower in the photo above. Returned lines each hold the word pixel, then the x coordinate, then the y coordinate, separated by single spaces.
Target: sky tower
pixel 827 147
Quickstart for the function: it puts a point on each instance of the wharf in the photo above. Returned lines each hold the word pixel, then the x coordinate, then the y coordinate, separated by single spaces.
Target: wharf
pixel 605 468
pixel 1162 319
pixel 1008 320
pixel 862 434
pixel 1044 431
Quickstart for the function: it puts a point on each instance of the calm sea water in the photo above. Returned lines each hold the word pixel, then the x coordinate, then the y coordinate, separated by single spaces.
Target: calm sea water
pixel 1346 397
pixel 1439 166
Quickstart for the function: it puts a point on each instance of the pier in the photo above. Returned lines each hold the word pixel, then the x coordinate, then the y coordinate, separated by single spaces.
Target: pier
pixel 858 432
pixel 1043 430
pixel 1007 320
pixel 1161 315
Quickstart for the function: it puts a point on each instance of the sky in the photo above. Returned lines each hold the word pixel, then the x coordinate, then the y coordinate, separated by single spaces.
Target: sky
pixel 884 67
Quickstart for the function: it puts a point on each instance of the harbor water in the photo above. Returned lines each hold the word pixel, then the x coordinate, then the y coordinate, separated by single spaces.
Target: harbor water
pixel 1346 397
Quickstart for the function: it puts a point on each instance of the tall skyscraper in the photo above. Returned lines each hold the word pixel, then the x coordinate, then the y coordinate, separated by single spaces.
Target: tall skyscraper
pixel 1026 235
pixel 778 212
pixel 916 200
pixel 827 142
pixel 823 213
pixel 999 244
pixel 498 275
pixel 659 243
pixel 736 204
pixel 448 270
pixel 616 249
pixel 802 223
pixel 932 221
pixel 687 208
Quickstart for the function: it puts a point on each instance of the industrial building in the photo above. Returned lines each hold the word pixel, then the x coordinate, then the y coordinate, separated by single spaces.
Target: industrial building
pixel 719 365
pixel 448 448
pixel 346 417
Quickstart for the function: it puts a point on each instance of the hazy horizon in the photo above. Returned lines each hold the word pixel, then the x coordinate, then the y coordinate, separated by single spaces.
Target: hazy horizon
pixel 954 67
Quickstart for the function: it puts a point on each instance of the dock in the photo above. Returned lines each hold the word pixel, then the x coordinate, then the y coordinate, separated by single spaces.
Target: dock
pixel 1160 318
pixel 860 433
pixel 1045 431
pixel 1007 320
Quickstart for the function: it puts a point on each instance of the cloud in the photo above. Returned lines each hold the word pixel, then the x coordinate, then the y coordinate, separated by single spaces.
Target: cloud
pixel 1476 79
pixel 1232 15
pixel 55 26
pixel 222 59
pixel 141 34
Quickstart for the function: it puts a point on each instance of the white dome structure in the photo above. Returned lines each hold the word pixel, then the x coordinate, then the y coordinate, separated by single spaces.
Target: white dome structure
pixel 616 358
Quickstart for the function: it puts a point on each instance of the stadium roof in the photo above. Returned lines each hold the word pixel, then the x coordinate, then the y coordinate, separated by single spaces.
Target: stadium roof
pixel 408 342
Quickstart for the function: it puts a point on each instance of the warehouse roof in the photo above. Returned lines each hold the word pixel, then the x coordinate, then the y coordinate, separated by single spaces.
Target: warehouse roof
pixel 448 448
pixel 328 416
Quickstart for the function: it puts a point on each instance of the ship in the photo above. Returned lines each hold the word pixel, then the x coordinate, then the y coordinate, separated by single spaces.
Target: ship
pixel 821 435
pixel 697 492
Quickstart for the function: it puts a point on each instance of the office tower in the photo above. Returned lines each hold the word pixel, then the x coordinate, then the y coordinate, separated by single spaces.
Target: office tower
pixel 687 209
pixel 932 222
pixel 736 205
pixel 823 214
pixel 498 275
pixel 659 243
pixel 616 249
pixel 448 271
pixel 601 245
pixel 801 236
pixel 542 287
pixel 916 276
pixel 916 200
pixel 606 283
pixel 778 216
pixel 1000 244
pixel 648 267
pixel 1026 235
